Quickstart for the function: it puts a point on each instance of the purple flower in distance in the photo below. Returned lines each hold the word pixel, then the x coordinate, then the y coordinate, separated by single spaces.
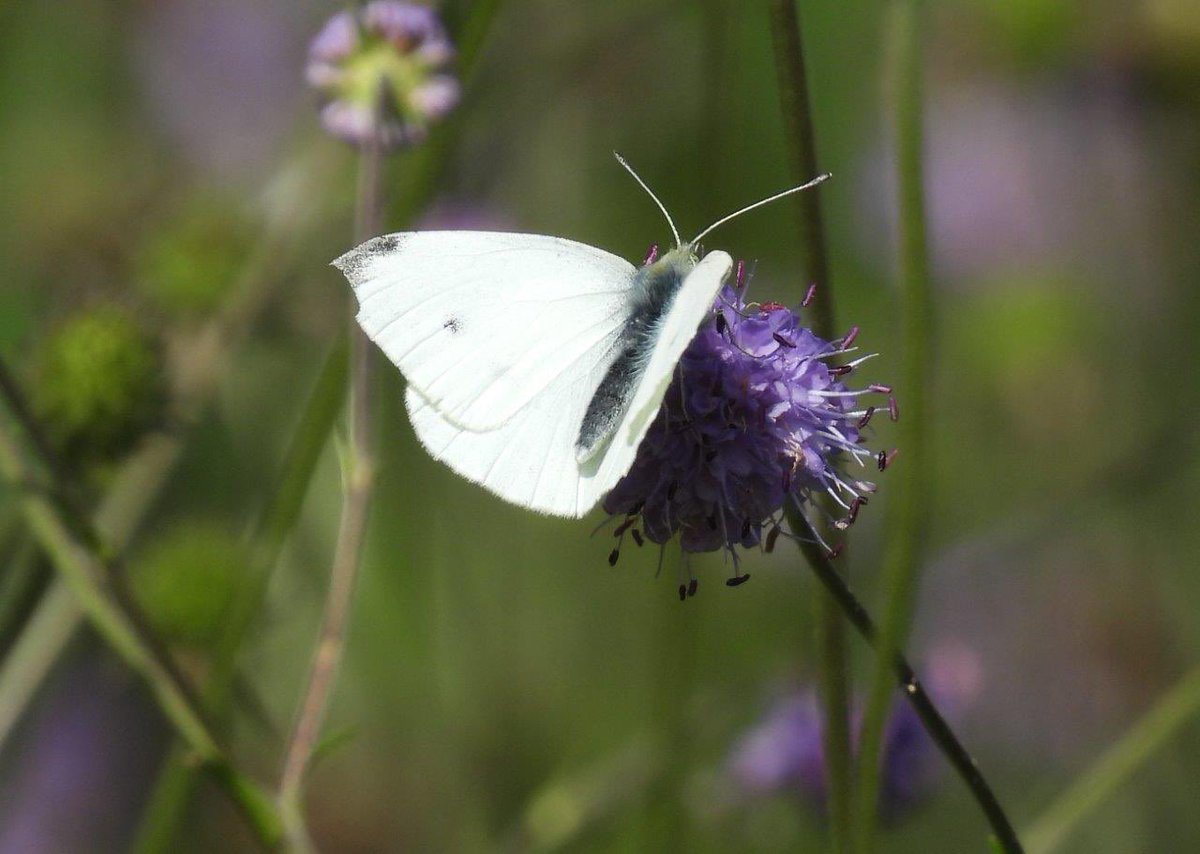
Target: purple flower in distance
pixel 784 752
pixel 382 72
pixel 757 415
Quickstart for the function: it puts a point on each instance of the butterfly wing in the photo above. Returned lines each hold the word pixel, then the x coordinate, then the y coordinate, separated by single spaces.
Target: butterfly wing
pixel 481 323
pixel 530 460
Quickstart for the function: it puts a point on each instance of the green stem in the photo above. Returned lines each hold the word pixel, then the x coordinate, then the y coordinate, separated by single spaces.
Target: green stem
pixel 358 486
pixel 359 464
pixel 910 488
pixel 931 719
pixel 168 802
pixel 21 588
pixel 202 358
pixel 25 666
pixel 1174 709
pixel 831 633
pixel 89 578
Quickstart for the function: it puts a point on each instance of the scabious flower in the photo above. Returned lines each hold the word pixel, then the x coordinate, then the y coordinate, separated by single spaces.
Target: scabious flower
pixel 757 415
pixel 784 752
pixel 382 73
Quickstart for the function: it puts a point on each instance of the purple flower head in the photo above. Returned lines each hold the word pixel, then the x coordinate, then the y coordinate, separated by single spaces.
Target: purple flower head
pixel 382 72
pixel 784 752
pixel 757 414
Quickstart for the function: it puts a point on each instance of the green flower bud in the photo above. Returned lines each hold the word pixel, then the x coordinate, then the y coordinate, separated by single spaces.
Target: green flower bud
pixel 187 580
pixel 99 385
pixel 187 266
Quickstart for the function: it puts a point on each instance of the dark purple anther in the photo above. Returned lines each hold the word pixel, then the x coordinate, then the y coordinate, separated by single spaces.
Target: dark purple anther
pixel 772 536
pixel 739 278
pixel 737 580
pixel 841 370
pixel 612 557
pixel 692 585
pixel 866 419
pixel 893 408
pixel 651 255
pixel 850 338
pixel 880 388
pixel 809 296
pixel 637 537
pixel 682 592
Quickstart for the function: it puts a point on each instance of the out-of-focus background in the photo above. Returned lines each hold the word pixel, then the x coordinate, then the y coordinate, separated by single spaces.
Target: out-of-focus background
pixel 170 205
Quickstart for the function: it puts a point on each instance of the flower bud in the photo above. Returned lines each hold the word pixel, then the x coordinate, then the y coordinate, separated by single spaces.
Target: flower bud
pixel 99 386
pixel 382 73
pixel 186 582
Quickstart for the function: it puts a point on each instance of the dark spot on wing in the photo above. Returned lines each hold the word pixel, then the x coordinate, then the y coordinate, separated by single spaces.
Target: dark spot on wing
pixel 453 324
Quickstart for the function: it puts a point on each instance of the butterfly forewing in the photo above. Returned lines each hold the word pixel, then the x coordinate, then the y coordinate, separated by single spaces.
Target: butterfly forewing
pixel 483 323
pixel 531 459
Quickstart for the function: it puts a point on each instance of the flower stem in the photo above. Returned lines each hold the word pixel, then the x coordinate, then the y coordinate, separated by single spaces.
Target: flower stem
pixel 1178 706
pixel 935 725
pixel 910 491
pixel 36 649
pixel 166 806
pixel 358 485
pixel 831 635
pixel 74 547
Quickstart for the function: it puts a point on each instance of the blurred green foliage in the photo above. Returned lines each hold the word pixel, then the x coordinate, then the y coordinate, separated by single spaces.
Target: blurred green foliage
pixel 186 580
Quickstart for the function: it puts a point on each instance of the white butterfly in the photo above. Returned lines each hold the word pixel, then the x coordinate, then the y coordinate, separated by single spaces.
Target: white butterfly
pixel 535 364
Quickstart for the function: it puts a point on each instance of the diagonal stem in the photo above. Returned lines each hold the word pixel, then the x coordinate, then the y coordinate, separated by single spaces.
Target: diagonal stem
pixel 79 559
pixel 1177 707
pixel 941 733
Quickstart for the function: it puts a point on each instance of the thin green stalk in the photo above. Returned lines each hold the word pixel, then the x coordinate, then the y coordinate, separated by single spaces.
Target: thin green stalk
pixel 909 488
pixel 89 578
pixel 21 587
pixel 358 486
pixel 168 802
pixel 35 651
pixel 931 719
pixel 359 473
pixel 1158 726
pixel 831 634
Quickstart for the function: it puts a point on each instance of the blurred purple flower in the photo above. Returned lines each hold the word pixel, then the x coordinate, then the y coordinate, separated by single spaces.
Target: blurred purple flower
pixel 1019 180
pixel 219 76
pixel 784 752
pixel 382 73
pixel 77 774
pixel 756 415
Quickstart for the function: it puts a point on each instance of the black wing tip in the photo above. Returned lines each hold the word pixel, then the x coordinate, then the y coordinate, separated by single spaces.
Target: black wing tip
pixel 352 262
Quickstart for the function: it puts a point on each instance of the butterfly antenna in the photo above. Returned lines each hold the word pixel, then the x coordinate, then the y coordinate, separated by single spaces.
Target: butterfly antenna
pixel 661 206
pixel 817 180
